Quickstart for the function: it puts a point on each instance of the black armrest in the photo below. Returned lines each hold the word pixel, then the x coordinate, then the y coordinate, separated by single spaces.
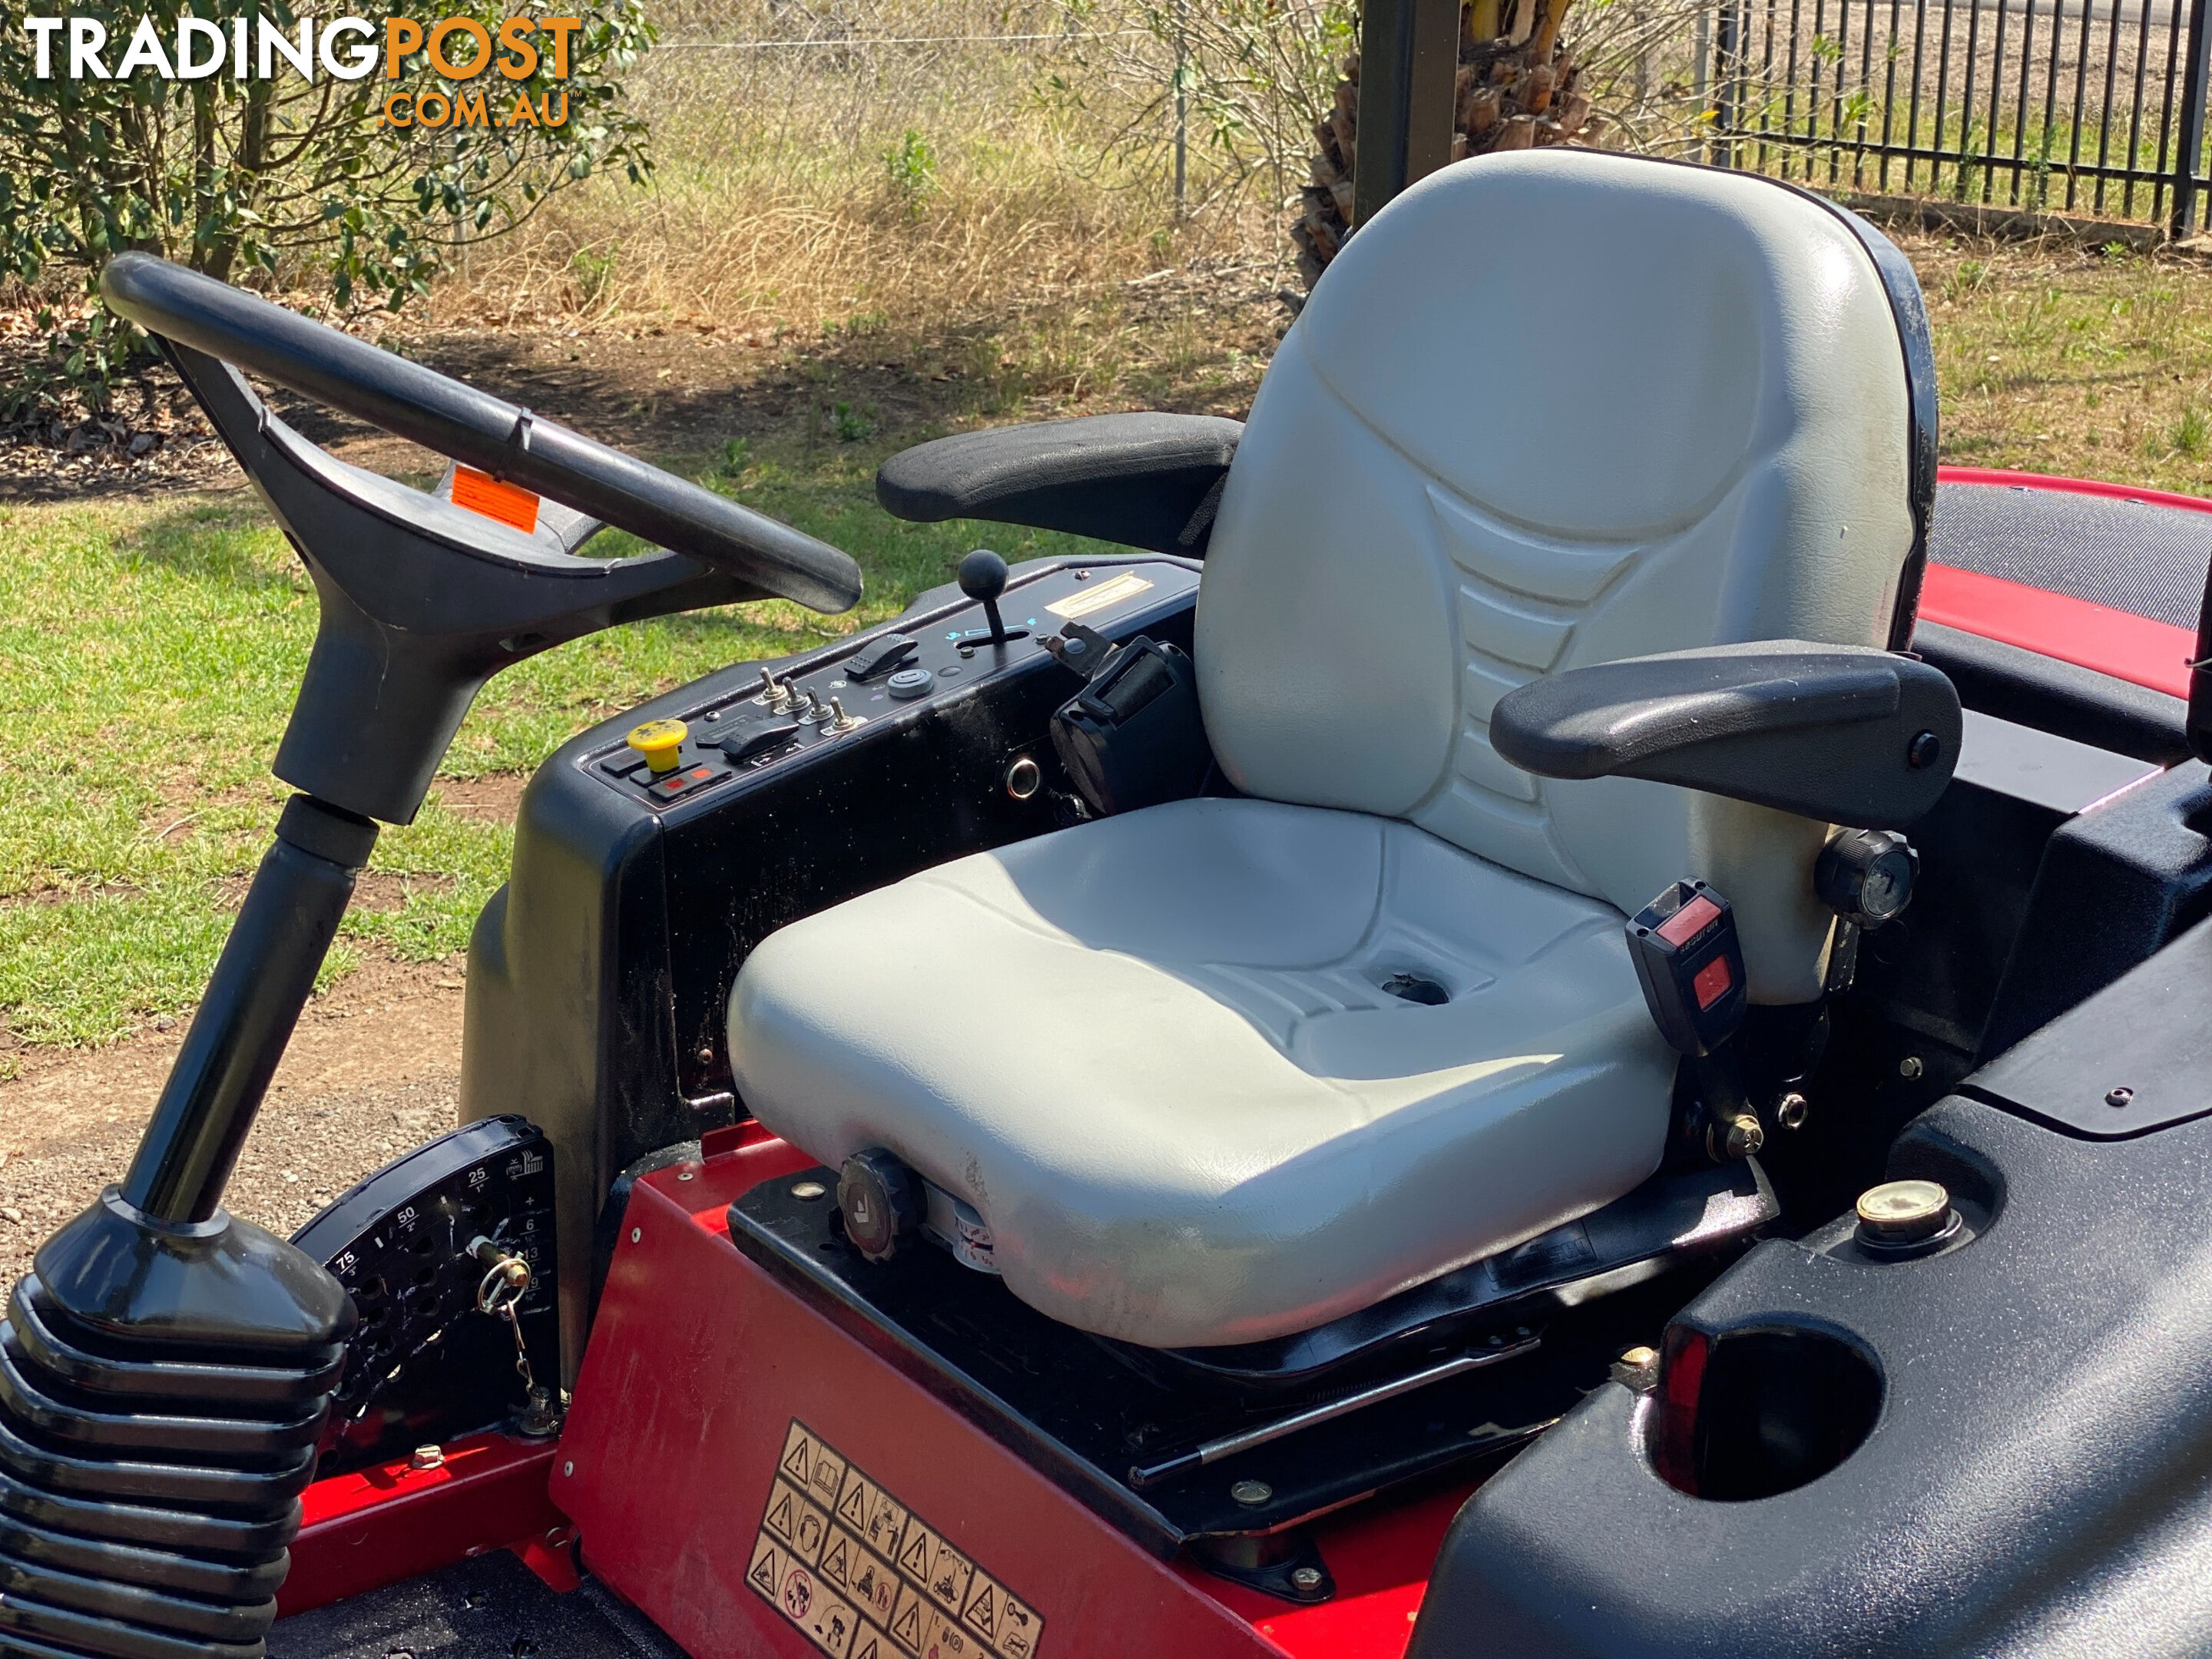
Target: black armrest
pixel 1148 481
pixel 1845 734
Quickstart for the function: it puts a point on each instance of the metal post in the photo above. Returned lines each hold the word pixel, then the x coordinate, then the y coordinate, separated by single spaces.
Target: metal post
pixel 1408 68
pixel 1701 51
pixel 1183 110
pixel 1725 51
pixel 261 982
pixel 2189 144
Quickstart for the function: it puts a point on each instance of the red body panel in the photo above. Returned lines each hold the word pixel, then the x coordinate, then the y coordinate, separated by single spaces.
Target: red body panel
pixel 376 1527
pixel 700 1361
pixel 1982 474
pixel 1380 1555
pixel 2117 642
pixel 697 1364
pixel 2127 647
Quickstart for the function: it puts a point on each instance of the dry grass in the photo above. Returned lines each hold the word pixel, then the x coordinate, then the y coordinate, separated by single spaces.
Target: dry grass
pixel 2056 359
pixel 969 158
pixel 806 188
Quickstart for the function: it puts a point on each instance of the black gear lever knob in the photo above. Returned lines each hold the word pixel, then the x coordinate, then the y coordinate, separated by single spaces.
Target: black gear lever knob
pixel 983 575
pixel 983 578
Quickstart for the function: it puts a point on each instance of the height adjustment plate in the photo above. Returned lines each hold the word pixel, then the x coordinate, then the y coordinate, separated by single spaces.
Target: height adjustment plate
pixel 415 1244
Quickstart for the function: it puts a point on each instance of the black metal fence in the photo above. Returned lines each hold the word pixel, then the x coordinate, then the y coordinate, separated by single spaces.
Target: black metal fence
pixel 2093 107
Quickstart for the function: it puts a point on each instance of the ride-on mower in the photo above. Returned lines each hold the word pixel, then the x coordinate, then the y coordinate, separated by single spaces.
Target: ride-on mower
pixel 1559 1023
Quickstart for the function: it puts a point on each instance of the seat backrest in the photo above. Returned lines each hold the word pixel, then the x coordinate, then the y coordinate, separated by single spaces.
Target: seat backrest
pixel 1550 409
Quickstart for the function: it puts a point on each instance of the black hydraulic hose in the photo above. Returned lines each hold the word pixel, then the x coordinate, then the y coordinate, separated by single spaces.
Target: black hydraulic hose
pixel 261 982
pixel 475 429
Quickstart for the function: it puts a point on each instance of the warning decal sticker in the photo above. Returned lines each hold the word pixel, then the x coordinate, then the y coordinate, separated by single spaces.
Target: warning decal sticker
pixel 865 1577
pixel 1090 600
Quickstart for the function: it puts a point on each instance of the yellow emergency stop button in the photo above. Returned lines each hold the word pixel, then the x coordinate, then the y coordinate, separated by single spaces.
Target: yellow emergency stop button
pixel 658 741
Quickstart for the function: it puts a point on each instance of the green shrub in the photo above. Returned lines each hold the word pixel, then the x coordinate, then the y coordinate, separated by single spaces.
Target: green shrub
pixel 285 178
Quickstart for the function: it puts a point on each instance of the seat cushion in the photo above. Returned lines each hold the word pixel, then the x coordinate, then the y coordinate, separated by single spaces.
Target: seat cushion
pixel 1157 1054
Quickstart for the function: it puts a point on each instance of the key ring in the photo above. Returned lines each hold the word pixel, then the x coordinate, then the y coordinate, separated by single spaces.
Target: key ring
pixel 503 1286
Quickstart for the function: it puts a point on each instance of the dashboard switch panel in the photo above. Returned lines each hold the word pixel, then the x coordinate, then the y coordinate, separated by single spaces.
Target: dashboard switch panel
pixel 775 716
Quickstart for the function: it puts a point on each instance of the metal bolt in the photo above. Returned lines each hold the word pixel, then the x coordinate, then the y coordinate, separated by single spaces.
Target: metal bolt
pixel 539 1420
pixel 567 1468
pixel 428 1457
pixel 2120 1096
pixel 1251 1493
pixel 636 1233
pixel 1306 1578
pixel 1638 1369
pixel 687 1175
pixel 809 1190
pixel 1744 1136
pixel 1910 1067
pixel 1792 1109
pixel 706 1056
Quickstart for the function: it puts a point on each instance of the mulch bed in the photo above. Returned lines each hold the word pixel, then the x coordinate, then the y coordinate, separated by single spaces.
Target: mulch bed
pixel 153 435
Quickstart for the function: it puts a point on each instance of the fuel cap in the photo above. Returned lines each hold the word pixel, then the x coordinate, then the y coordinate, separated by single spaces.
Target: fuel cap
pixel 881 1200
pixel 1904 1214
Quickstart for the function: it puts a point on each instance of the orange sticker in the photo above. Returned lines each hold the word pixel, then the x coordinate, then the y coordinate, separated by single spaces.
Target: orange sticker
pixel 480 492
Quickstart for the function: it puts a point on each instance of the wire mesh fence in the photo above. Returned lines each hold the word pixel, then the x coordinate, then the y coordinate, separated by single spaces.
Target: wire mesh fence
pixel 2092 108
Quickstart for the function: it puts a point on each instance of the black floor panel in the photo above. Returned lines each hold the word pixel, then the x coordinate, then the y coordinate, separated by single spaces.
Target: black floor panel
pixel 491 1607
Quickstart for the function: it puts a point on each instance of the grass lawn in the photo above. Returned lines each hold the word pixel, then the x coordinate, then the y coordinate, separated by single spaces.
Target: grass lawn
pixel 2059 360
pixel 151 646
pixel 152 651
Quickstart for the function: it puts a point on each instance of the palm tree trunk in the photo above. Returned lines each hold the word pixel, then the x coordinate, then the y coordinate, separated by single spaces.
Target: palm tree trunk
pixel 1518 87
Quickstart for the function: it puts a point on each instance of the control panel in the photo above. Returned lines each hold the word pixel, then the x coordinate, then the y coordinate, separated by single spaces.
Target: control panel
pixel 448 1255
pixel 928 657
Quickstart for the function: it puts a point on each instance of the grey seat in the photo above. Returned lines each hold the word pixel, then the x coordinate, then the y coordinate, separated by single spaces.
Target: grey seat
pixel 1156 1053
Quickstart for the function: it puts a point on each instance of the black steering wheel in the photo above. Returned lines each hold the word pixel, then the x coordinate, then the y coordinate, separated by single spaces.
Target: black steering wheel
pixel 476 429
pixel 422 599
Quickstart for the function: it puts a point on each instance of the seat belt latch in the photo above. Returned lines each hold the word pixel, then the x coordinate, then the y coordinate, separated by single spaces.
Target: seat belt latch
pixel 1133 737
pixel 1691 965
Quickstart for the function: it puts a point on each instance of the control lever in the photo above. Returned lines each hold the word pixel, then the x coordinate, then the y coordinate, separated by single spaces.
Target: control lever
pixel 983 578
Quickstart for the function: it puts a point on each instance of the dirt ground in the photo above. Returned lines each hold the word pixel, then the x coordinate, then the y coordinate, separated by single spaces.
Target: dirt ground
pixel 373 1070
